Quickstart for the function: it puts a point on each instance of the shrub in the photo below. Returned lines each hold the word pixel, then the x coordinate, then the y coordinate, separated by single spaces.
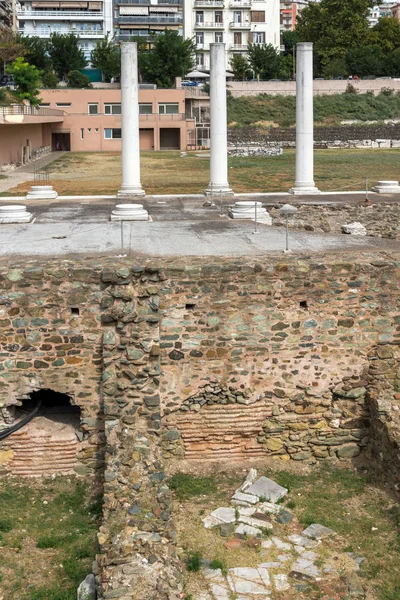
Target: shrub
pixel 193 561
pixel 76 79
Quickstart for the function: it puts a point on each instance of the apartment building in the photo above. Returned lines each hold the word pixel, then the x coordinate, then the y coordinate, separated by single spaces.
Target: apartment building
pixel 146 18
pixel 379 11
pixel 6 14
pixel 89 20
pixel 233 22
pixel 289 13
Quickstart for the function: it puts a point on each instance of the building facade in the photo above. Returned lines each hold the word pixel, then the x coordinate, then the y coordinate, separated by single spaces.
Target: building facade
pixel 233 22
pixel 89 20
pixel 289 13
pixel 146 18
pixel 380 11
pixel 6 14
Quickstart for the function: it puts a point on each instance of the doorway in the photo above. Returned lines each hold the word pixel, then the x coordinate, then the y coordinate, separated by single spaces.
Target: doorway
pixel 61 142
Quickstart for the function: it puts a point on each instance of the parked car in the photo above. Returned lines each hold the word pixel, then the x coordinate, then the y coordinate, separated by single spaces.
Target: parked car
pixel 188 83
pixel 7 81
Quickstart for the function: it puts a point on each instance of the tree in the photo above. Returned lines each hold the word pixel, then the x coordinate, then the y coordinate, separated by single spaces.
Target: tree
pixel 37 52
pixel 365 60
pixel 290 39
pixel 65 54
pixel 10 46
pixel 76 79
pixel 334 26
pixel 386 34
pixel 263 60
pixel 240 67
pixel 171 57
pixel 26 79
pixel 106 56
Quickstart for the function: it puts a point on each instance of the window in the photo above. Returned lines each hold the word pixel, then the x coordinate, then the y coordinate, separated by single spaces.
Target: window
pixel 259 37
pixel 219 37
pixel 112 134
pixel 199 16
pixel 63 103
pixel 200 60
pixel 82 133
pixel 168 108
pixel 44 104
pixel 218 16
pixel 237 16
pixel 257 16
pixel 200 37
pixel 145 108
pixel 93 108
pixel 112 108
pixel 237 38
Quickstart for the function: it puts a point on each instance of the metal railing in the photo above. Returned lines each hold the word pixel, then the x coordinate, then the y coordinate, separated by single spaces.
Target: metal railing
pixel 240 47
pixel 241 4
pixel 17 109
pixel 36 14
pixel 235 25
pixel 208 3
pixel 150 19
pixel 209 25
pixel 84 33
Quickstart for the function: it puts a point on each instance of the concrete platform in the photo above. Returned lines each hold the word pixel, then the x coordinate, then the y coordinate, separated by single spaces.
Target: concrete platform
pixel 182 226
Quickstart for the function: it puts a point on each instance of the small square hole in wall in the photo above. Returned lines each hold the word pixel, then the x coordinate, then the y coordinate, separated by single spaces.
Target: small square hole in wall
pixel 303 304
pixel 75 310
pixel 190 306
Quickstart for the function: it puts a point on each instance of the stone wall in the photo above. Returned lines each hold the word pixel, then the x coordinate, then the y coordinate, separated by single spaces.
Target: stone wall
pixel 295 358
pixel 363 136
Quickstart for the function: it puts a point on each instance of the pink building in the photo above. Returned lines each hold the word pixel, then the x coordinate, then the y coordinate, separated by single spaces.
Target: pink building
pixel 90 121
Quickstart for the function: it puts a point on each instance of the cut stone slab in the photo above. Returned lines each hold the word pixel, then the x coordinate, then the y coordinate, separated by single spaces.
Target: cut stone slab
pixel 317 532
pixel 225 515
pixel 284 557
pixel 281 545
pixel 306 567
pixel 268 489
pixel 255 522
pixel 281 582
pixel 355 228
pixel 14 213
pixel 309 555
pixel 250 479
pixel 220 592
pixel 247 511
pixel 233 544
pixel 210 522
pixel 226 529
pixel 300 540
pixel 266 544
pixel 247 530
pixel 270 565
pixel 354 584
pixel 247 580
pixel 284 517
pixel 299 549
pixel 242 499
pixel 214 575
pixel 269 507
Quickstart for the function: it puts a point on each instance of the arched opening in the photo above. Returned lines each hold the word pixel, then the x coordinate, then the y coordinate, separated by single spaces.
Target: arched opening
pixel 49 440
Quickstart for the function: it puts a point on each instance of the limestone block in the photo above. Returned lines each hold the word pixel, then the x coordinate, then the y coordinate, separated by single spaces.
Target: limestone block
pixel 267 489
pixel 317 532
pixel 355 228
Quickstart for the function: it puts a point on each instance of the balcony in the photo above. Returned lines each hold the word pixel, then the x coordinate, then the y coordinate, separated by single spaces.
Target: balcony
pixel 238 47
pixel 240 4
pixel 21 115
pixel 209 25
pixel 37 15
pixel 148 19
pixel 202 46
pixel 209 3
pixel 234 25
pixel 85 34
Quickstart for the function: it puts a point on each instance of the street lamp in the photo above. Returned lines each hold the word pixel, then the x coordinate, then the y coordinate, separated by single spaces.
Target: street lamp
pixel 287 210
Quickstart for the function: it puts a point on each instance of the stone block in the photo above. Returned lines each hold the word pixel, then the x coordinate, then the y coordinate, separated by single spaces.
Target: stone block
pixel 267 489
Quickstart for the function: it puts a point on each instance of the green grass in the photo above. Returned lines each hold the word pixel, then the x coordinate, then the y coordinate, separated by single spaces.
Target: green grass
pixel 193 561
pixel 52 543
pixel 188 486
pixel 328 110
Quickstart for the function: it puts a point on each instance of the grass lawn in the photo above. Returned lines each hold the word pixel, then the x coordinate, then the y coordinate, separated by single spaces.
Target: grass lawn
pixel 47 537
pixel 366 519
pixel 167 173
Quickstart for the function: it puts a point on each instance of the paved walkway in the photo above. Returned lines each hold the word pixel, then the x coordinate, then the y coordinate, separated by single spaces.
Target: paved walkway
pixel 25 173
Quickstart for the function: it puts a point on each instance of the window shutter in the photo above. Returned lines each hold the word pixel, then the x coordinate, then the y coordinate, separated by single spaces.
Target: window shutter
pixel 257 16
pixel 250 37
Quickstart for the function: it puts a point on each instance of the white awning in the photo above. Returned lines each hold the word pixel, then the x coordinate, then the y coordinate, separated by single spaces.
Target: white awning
pixel 197 75
pixel 164 9
pixel 133 10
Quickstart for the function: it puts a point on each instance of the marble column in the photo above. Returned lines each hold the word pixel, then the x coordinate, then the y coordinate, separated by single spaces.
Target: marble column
pixel 304 183
pixel 131 186
pixel 218 124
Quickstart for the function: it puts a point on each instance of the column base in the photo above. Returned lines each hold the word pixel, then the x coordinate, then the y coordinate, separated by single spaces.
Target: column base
pixel 130 192
pixel 14 213
pixel 215 190
pixel 386 187
pixel 303 190
pixel 41 192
